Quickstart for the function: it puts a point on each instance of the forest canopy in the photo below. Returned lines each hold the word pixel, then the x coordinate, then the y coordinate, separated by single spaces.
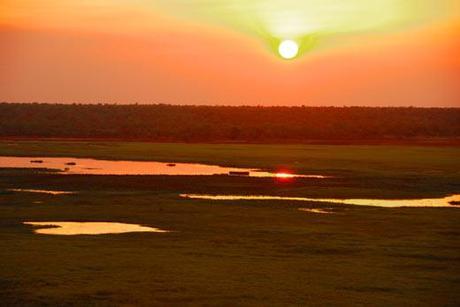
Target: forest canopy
pixel 225 124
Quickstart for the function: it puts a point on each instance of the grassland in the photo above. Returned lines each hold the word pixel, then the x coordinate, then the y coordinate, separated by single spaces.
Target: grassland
pixel 234 253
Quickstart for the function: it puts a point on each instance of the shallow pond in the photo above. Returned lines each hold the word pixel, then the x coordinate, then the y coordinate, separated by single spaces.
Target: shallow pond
pixel 315 210
pixel 88 228
pixel 448 201
pixel 41 191
pixel 108 167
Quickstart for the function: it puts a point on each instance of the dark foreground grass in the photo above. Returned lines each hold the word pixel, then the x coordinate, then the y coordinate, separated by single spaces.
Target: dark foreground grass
pixel 235 253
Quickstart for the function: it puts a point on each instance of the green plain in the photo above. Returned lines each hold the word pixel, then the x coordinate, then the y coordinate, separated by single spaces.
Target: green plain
pixel 247 253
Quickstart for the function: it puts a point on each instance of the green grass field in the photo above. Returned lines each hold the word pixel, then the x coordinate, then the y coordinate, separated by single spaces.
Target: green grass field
pixel 257 253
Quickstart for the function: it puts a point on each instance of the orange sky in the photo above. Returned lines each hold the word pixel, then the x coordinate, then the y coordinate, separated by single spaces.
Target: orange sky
pixel 59 53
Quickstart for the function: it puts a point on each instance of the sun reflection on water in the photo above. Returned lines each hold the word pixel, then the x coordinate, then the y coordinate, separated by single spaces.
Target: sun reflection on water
pixel 88 228
pixel 448 201
pixel 83 166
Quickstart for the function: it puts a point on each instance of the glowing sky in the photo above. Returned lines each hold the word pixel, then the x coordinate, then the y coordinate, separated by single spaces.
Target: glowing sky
pixel 352 52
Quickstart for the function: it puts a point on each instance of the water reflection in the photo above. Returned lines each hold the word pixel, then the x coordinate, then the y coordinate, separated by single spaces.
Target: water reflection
pixel 88 228
pixel 319 211
pixel 449 201
pixel 41 191
pixel 107 167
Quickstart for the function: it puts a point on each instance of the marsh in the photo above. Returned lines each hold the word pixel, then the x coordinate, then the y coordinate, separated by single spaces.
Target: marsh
pixel 229 252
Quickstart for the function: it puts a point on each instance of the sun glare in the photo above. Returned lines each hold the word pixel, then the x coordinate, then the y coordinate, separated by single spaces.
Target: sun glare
pixel 284 175
pixel 288 49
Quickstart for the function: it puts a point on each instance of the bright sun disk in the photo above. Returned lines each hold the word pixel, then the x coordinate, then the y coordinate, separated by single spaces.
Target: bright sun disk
pixel 288 49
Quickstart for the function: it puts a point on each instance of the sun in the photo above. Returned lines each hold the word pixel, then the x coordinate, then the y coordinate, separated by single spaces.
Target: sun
pixel 288 49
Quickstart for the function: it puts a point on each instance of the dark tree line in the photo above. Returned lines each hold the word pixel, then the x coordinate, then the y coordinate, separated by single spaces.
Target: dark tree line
pixel 226 124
